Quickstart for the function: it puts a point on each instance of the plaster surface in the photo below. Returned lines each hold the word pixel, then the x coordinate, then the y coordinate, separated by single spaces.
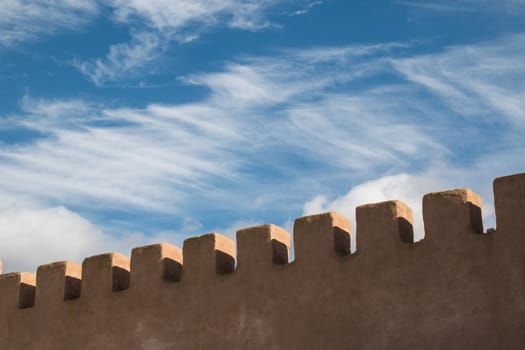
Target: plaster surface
pixel 458 288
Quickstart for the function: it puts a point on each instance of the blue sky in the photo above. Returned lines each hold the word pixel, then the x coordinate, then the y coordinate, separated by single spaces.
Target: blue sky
pixel 124 123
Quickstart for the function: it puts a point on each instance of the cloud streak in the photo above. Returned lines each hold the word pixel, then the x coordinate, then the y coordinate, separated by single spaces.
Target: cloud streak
pixel 306 9
pixel 23 20
pixel 475 81
pixel 186 15
pixel 273 133
pixel 443 6
pixel 123 59
pixel 151 158
pixel 447 6
pixel 165 21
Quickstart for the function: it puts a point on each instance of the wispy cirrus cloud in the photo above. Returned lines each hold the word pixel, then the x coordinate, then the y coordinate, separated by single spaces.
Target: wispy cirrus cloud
pixel 478 93
pixel 447 6
pixel 442 6
pixel 194 16
pixel 262 105
pixel 22 20
pixel 180 20
pixel 153 26
pixel 304 126
pixel 132 148
pixel 297 75
pixel 475 81
pixel 123 59
pixel 306 9
pixel 155 158
pixel 162 22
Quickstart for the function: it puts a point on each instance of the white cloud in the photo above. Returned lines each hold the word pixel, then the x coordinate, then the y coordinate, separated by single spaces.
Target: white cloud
pixel 161 157
pixel 448 6
pixel 293 75
pixel 44 115
pixel 199 14
pixel 23 20
pixel 268 111
pixel 409 188
pixel 164 21
pixel 153 26
pixel 476 81
pixel 142 161
pixel 180 20
pixel 306 9
pixel 123 59
pixel 360 133
pixel 32 237
pixel 245 83
pixel 442 6
pixel 275 132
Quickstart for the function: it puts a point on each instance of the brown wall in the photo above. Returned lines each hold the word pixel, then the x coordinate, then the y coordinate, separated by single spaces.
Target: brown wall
pixel 456 289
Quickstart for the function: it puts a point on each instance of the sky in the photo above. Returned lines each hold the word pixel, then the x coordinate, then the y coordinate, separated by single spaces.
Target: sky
pixel 125 123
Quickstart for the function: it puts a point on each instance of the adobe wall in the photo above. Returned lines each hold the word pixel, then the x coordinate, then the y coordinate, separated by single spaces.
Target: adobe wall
pixel 456 289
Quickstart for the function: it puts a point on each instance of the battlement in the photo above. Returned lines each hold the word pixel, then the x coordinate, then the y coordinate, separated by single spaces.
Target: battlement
pixel 457 288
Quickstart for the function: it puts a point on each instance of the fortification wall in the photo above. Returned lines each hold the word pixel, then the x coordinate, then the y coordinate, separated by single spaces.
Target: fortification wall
pixel 456 289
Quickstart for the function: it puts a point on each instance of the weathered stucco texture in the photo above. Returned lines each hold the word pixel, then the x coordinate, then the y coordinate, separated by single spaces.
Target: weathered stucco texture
pixel 455 289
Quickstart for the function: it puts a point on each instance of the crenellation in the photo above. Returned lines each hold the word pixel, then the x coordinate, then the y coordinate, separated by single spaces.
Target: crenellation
pixel 317 237
pixel 17 291
pixel 56 283
pixel 26 290
pixel 260 246
pixel 457 286
pixel 509 205
pixel 155 263
pixel 206 256
pixel 454 211
pixel 103 274
pixel 383 227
